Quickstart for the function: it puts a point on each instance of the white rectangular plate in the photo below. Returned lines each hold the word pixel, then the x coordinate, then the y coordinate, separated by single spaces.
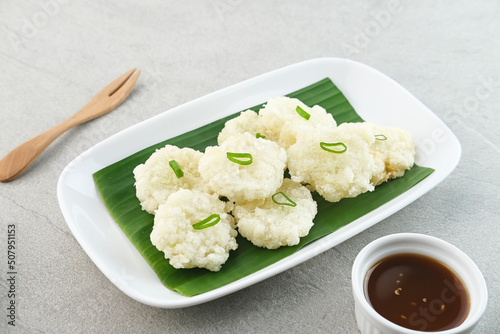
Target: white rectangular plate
pixel 373 95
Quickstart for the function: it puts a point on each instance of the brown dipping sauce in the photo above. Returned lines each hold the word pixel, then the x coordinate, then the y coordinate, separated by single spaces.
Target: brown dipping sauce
pixel 417 292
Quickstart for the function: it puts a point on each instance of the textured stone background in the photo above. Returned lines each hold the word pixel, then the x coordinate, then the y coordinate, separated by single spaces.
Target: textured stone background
pixel 55 55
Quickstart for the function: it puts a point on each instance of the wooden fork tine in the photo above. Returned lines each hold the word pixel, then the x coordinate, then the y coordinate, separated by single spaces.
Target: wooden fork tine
pixel 116 84
pixel 121 93
pixel 116 92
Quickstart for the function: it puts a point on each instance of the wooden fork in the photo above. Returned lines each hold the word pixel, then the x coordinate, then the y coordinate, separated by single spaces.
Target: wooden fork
pixel 18 160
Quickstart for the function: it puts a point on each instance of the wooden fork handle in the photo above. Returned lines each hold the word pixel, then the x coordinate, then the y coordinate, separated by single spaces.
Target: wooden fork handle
pixel 20 158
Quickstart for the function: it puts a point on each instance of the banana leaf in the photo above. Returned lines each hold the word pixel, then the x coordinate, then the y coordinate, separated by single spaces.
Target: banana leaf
pixel 115 184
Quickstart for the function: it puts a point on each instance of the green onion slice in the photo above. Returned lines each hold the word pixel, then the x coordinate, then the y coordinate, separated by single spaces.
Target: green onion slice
pixel 325 146
pixel 240 158
pixel 380 137
pixel 258 135
pixel 177 170
pixel 303 113
pixel 207 222
pixel 289 203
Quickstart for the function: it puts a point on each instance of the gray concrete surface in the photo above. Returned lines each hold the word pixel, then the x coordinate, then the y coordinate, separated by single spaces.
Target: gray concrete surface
pixel 54 55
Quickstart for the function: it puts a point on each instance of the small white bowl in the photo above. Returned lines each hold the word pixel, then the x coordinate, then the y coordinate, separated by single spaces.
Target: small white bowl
pixel 370 322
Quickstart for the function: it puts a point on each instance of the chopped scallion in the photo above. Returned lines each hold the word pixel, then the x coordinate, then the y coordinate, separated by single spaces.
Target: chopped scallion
pixel 258 135
pixel 175 167
pixel 207 222
pixel 289 203
pixel 380 137
pixel 325 146
pixel 303 113
pixel 240 158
